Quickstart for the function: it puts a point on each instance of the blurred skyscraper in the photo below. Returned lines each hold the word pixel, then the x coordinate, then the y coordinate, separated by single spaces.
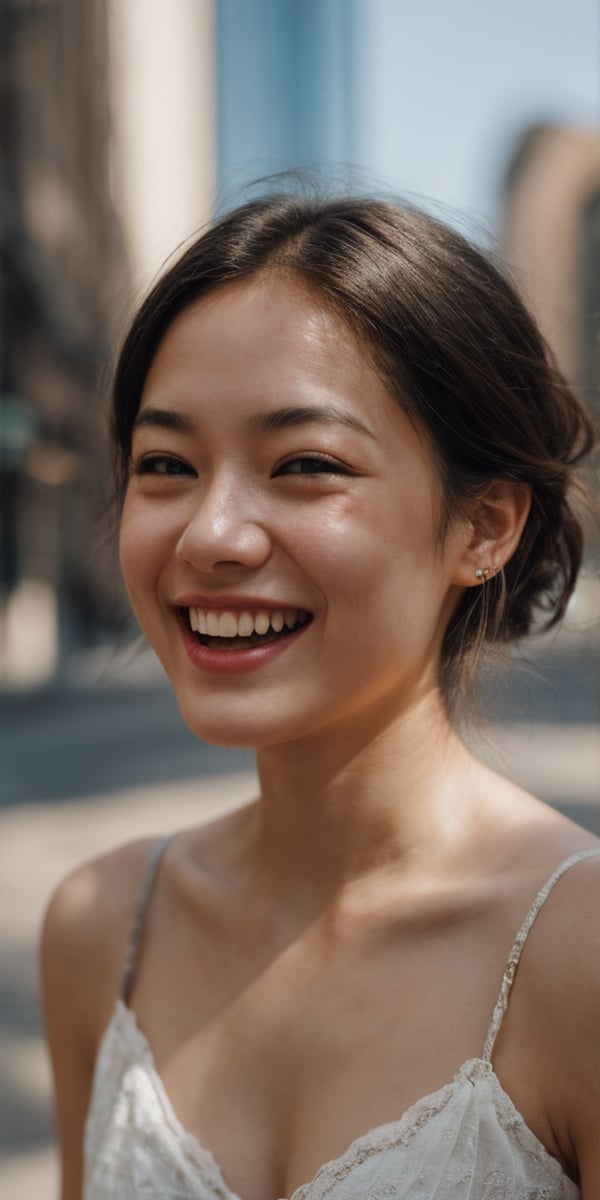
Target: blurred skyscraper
pixel 286 78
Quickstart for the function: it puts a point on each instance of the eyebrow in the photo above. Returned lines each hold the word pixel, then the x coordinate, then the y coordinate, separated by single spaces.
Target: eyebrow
pixel 283 418
pixel 268 422
pixel 164 418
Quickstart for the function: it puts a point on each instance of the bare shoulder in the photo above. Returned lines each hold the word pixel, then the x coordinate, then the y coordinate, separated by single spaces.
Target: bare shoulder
pixel 563 982
pixel 89 917
pixel 84 941
pixel 85 933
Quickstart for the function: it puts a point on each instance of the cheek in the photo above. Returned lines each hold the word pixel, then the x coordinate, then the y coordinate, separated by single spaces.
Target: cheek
pixel 383 538
pixel 131 545
pixel 143 544
pixel 382 573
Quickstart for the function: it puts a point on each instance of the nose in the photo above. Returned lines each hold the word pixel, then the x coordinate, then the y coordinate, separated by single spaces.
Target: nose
pixel 225 529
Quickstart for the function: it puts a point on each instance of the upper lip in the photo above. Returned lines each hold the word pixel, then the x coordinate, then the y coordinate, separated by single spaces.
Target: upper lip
pixel 236 603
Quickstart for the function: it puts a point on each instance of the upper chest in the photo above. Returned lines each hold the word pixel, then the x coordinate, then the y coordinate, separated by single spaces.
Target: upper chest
pixel 278 1062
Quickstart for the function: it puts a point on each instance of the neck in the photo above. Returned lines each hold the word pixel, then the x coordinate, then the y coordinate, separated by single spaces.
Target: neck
pixel 347 807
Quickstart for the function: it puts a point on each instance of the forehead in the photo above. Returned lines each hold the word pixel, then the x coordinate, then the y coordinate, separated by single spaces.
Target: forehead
pixel 236 361
pixel 261 333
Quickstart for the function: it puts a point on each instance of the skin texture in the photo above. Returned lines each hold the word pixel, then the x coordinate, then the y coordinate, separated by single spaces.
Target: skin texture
pixel 356 544
pixel 315 963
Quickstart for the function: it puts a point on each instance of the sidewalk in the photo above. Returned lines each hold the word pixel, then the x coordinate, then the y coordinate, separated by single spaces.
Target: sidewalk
pixel 40 843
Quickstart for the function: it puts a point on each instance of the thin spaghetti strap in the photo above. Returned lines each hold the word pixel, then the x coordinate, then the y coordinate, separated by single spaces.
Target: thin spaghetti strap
pixel 515 955
pixel 139 913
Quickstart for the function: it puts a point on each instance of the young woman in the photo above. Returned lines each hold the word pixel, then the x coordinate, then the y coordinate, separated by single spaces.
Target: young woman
pixel 344 462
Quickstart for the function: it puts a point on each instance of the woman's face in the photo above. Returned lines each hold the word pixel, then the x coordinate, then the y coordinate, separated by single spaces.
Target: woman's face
pixel 283 504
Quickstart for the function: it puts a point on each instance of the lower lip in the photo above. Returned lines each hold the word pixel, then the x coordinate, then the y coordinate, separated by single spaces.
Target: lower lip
pixel 231 662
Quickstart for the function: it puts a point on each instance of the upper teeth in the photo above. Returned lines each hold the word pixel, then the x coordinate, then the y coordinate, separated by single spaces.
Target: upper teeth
pixel 229 624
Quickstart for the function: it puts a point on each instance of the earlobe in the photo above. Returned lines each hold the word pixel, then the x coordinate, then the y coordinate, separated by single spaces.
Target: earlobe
pixel 496 522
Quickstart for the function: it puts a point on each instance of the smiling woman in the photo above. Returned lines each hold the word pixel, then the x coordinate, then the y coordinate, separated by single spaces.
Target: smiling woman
pixel 344 467
pixel 326 505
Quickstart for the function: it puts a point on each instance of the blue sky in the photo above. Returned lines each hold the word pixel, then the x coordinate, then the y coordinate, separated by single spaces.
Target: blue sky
pixel 443 88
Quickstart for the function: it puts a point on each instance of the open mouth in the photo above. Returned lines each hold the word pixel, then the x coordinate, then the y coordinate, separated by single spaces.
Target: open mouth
pixel 227 630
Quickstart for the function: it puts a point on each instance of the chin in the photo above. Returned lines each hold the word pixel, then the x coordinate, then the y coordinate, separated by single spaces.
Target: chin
pixel 231 730
pixel 228 739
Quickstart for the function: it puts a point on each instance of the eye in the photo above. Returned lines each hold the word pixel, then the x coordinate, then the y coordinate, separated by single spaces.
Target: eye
pixel 312 464
pixel 161 464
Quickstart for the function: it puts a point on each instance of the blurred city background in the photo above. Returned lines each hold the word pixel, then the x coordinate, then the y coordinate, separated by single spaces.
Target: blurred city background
pixel 124 126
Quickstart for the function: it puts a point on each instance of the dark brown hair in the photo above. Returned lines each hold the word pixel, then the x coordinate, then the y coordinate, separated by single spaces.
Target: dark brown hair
pixel 456 347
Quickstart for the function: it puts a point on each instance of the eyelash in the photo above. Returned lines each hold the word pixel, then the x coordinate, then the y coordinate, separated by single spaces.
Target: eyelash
pixel 329 466
pixel 149 465
pixel 318 466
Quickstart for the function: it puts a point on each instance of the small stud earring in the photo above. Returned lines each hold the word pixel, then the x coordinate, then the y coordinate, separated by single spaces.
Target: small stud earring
pixel 484 573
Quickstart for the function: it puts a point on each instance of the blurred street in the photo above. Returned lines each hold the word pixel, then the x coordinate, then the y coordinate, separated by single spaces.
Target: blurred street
pixel 88 765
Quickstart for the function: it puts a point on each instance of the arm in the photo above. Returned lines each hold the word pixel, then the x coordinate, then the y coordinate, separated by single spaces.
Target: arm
pixel 84 941
pixel 582 1083
pixel 68 1027
pixel 569 1009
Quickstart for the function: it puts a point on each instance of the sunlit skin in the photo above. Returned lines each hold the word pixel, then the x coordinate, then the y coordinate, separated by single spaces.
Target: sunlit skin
pixel 270 461
pixel 329 954
pixel 225 507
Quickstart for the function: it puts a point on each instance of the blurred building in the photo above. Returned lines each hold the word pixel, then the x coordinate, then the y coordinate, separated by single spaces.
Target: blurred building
pixel 551 239
pixel 287 74
pixel 106 121
pixel 61 257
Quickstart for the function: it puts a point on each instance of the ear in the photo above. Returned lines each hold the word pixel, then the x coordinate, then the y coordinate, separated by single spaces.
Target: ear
pixel 495 523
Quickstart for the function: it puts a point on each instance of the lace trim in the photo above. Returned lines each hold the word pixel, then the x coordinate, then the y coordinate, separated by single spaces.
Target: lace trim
pixel 402 1132
pixel 129 1037
pixel 385 1137
pixel 133 1048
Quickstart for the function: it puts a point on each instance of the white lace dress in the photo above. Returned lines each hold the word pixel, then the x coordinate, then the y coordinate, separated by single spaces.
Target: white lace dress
pixel 466 1141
